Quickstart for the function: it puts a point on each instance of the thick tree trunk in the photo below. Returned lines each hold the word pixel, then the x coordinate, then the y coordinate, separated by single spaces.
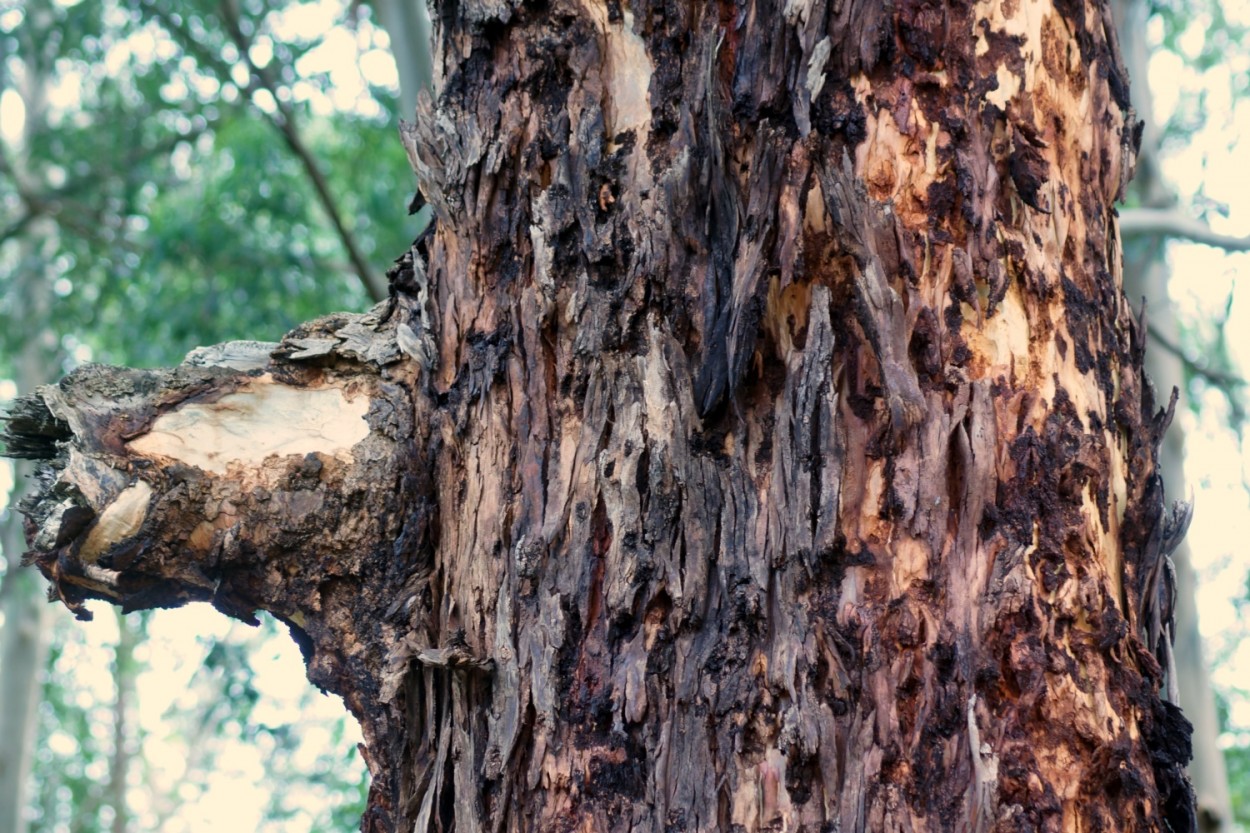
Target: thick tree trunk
pixel 765 445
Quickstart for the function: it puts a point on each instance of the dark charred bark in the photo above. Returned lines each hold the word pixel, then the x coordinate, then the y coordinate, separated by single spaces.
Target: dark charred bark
pixel 767 448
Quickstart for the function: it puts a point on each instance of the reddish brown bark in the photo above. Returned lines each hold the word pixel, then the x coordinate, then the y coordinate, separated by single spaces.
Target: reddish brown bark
pixel 768 448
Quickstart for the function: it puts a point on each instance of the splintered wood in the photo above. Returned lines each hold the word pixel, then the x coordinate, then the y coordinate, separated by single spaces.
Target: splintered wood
pixel 263 420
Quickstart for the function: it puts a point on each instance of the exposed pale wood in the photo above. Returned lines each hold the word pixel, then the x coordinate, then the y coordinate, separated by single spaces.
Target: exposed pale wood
pixel 257 421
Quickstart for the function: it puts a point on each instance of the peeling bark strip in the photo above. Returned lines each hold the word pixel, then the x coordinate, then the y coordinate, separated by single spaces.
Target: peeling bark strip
pixel 767 448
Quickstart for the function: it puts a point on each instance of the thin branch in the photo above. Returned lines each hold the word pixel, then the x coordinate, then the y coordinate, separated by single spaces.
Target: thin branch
pixel 283 122
pixel 17 226
pixel 374 285
pixel 51 203
pixel 1165 222
pixel 1226 382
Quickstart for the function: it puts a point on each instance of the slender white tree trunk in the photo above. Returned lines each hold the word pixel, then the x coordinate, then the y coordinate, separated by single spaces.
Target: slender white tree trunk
pixel 23 637
pixel 1146 277
pixel 407 23
pixel 22 651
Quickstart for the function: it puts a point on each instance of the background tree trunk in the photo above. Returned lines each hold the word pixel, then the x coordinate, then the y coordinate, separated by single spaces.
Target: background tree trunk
pixel 407 25
pixel 22 648
pixel 765 445
pixel 124 685
pixel 23 638
pixel 1146 277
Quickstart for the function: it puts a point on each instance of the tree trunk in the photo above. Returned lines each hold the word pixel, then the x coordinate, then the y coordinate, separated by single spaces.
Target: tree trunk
pixel 407 26
pixel 124 685
pixel 1146 277
pixel 24 637
pixel 764 446
pixel 23 644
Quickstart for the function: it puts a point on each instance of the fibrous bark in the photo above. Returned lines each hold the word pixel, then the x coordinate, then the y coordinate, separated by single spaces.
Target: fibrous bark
pixel 759 442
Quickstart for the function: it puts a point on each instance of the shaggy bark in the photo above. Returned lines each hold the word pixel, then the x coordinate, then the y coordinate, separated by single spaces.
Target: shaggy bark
pixel 764 446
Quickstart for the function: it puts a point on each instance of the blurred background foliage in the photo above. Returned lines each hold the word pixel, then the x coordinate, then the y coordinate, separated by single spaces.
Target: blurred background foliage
pixel 1195 93
pixel 175 174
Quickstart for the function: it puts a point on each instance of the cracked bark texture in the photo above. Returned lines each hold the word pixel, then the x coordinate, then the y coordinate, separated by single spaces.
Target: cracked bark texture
pixel 759 442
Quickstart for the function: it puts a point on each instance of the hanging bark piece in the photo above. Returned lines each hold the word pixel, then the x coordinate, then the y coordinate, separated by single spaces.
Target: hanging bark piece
pixel 767 451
